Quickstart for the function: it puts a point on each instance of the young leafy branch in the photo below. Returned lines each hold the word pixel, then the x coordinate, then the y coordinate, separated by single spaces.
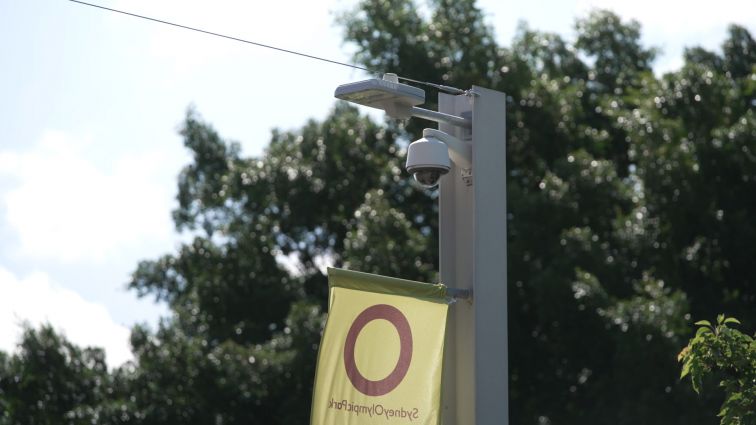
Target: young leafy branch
pixel 730 355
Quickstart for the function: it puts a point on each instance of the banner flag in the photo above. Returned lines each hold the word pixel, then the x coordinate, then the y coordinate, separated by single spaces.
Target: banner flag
pixel 381 352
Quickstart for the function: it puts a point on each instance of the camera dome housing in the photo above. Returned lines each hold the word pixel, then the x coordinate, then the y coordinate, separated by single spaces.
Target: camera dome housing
pixel 428 160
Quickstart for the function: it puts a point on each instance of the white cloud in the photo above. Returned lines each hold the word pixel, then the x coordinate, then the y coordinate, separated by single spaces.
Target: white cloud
pixel 66 208
pixel 37 300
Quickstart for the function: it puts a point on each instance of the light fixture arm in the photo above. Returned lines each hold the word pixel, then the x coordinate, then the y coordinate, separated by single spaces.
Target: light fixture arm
pixel 440 117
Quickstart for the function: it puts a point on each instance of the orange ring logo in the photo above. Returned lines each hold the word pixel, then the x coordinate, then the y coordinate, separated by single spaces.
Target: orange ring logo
pixel 387 384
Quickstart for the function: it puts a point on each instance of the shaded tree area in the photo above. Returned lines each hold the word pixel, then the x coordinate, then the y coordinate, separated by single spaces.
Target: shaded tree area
pixel 630 199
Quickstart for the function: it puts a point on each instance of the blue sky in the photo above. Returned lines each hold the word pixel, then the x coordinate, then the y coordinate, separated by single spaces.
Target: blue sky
pixel 91 102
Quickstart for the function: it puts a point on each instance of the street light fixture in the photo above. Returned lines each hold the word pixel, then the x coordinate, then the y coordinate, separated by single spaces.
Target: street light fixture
pixel 396 99
pixel 472 233
pixel 388 94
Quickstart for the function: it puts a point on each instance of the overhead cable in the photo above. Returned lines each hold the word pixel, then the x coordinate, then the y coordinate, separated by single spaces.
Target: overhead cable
pixel 448 89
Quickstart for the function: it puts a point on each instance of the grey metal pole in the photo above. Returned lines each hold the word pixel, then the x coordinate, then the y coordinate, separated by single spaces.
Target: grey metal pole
pixel 473 256
pixel 490 257
pixel 455 257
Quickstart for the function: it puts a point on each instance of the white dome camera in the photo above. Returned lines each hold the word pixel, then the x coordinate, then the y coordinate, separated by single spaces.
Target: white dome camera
pixel 428 159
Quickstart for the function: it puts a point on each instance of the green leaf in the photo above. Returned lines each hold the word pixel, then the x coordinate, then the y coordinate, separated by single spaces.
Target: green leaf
pixel 702 330
pixel 723 411
pixel 696 385
pixel 732 320
pixel 685 369
pixel 703 323
pixel 720 319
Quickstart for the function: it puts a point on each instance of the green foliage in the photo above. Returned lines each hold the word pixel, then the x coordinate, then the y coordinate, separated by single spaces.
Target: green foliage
pixel 50 381
pixel 725 353
pixel 182 378
pixel 405 252
pixel 630 199
pixel 616 48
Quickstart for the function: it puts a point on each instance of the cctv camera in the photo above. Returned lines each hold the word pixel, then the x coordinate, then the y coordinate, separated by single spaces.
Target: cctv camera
pixel 428 160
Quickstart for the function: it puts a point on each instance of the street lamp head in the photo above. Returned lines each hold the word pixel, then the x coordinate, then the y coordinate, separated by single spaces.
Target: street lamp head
pixel 388 94
pixel 428 160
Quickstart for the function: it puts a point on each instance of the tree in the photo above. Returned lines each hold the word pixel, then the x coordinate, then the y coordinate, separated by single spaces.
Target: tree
pixel 51 381
pixel 731 355
pixel 700 120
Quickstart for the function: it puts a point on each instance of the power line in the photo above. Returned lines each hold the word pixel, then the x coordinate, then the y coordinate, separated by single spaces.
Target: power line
pixel 447 89
pixel 224 36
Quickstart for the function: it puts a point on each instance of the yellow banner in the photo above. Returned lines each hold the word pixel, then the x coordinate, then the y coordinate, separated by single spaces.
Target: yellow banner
pixel 381 353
